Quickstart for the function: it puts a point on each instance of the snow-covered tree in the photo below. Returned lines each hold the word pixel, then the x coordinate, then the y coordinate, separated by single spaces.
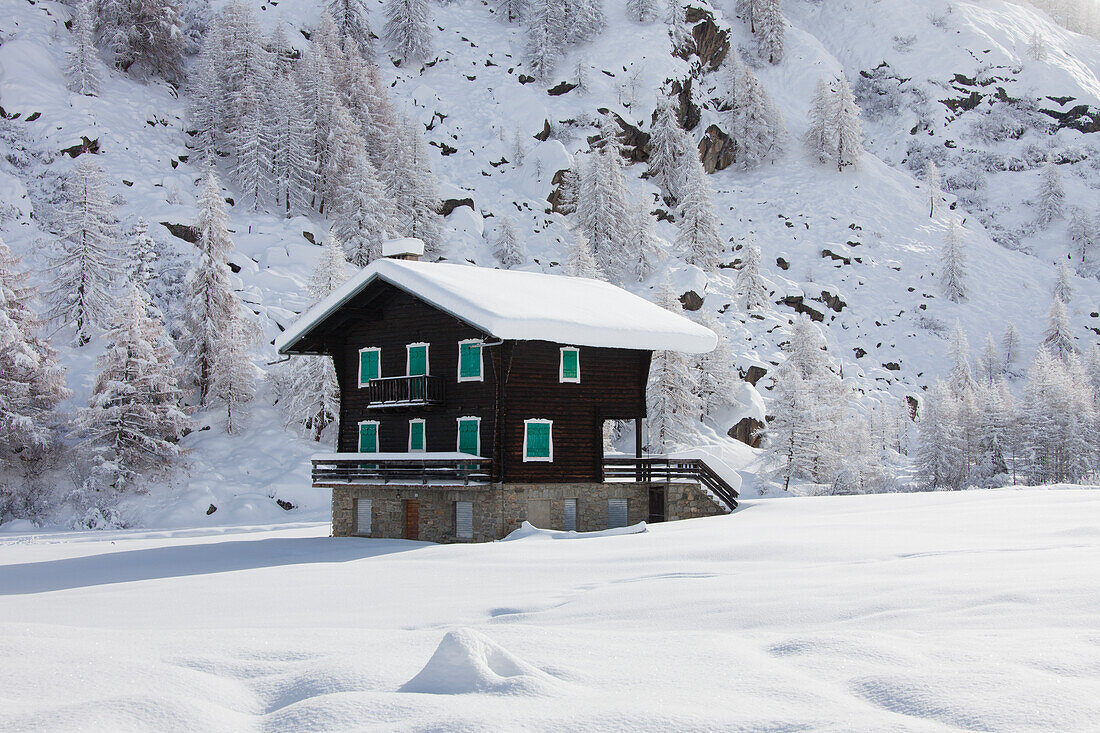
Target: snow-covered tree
pixel 1058 408
pixel 134 419
pixel 941 460
pixel 293 167
pixel 512 10
pixel 1058 338
pixel 508 247
pixel 961 381
pixel 1037 47
pixel 352 20
pixel 672 405
pixel 1051 198
pixel 818 136
pixel 32 381
pixel 234 375
pixel 1063 284
pixel 85 75
pixel 990 363
pixel 953 263
pixel 698 240
pixel 141 256
pixel 770 31
pixel 363 216
pixel 84 264
pixel 790 436
pixel 581 262
pixel 1010 346
pixel 643 244
pixel 415 192
pixel 755 125
pixel 408 29
pixel 642 11
pixel 751 286
pixel 142 36
pixel 715 374
pixel 545 37
pixel 603 209
pixel 195 19
pixel 678 32
pixel 1083 236
pixel 669 145
pixel 847 130
pixel 933 182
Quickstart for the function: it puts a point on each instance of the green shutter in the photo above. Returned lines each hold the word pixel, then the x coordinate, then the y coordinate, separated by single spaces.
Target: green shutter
pixel 368 438
pixel 368 365
pixel 538 440
pixel 570 366
pixel 469 360
pixel 467 436
pixel 416 435
pixel 418 361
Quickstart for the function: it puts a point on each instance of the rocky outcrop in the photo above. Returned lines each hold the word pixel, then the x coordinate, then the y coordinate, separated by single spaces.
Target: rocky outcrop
pixel 691 301
pixel 687 111
pixel 449 205
pixel 716 150
pixel 746 430
pixel 186 232
pixel 84 146
pixel 711 42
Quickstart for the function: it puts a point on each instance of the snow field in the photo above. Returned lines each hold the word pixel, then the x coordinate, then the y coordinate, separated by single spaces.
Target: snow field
pixel 914 612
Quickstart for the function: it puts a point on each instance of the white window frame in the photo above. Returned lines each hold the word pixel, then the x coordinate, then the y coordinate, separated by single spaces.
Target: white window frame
pixel 427 357
pixel 550 441
pixel 480 361
pixel 561 365
pixel 423 434
pixel 377 435
pixel 458 433
pixel 359 365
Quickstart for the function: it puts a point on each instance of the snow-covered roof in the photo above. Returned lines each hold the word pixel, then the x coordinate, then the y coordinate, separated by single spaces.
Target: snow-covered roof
pixel 405 246
pixel 524 306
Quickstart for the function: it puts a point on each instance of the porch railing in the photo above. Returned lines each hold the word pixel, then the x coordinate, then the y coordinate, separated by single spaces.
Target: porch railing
pixel 660 468
pixel 404 391
pixel 389 468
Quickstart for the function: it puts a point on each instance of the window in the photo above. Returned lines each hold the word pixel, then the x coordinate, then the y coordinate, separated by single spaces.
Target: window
pixel 616 513
pixel 368 436
pixel 538 442
pixel 370 364
pixel 570 523
pixel 464 520
pixel 417 362
pixel 570 369
pixel 362 517
pixel 416 436
pixel 469 435
pixel 469 361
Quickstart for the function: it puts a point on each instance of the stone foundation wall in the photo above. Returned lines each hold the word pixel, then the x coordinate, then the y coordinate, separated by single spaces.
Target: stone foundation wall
pixel 501 508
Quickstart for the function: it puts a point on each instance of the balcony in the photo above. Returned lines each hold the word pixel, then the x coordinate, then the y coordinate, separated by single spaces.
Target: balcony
pixel 666 469
pixel 400 468
pixel 396 392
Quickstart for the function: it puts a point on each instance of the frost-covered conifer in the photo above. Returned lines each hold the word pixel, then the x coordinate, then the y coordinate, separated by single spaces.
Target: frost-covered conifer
pixel 953 263
pixel 603 209
pixel 961 381
pixel 508 247
pixel 990 363
pixel 751 286
pixel 1059 411
pixel 847 130
pixel 234 375
pixel 293 168
pixel 1037 47
pixel 933 182
pixel 545 37
pixel 1063 284
pixel 1010 346
pixel 416 197
pixel 643 245
pixel 142 36
pixel 1051 197
pixel 352 20
pixel 86 259
pixel 251 140
pixel 134 419
pixel 1083 236
pixel 363 216
pixel 941 460
pixel 408 29
pixel 698 240
pixel 32 382
pixel 642 11
pixel 756 127
pixel 669 144
pixel 789 436
pixel 581 262
pixel 195 18
pixel 818 138
pixel 1058 338
pixel 512 10
pixel 678 32
pixel 673 407
pixel 141 256
pixel 85 76
pixel 746 10
pixel 770 31
pixel 715 374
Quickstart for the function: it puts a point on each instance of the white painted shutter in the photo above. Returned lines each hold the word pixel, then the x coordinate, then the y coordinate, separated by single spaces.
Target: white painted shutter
pixel 362 516
pixel 570 515
pixel 616 513
pixel 464 519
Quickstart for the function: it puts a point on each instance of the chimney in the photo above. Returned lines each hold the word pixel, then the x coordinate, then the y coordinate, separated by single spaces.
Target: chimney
pixel 408 248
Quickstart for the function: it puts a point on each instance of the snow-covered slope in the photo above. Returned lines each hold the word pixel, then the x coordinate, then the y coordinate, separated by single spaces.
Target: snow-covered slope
pixel 857 247
pixel 905 612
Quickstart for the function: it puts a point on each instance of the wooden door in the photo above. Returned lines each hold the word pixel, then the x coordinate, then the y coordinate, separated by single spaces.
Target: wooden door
pixel 656 504
pixel 412 519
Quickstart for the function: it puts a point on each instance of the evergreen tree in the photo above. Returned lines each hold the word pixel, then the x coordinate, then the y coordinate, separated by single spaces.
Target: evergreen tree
pixel 233 382
pixel 364 216
pixel 715 375
pixel 846 126
pixel 678 32
pixel 770 30
pixel 1051 196
pixel 642 11
pixel 672 408
pixel 417 201
pixel 643 245
pixel 819 135
pixel 86 259
pixel 1010 346
pixel 352 20
pixel 545 37
pixel 1082 236
pixel 1037 46
pixel 195 17
pixel 84 67
pixel 990 363
pixel 1063 285
pixel 962 379
pixel 751 286
pixel 408 29
pixel 669 145
pixel 32 381
pixel 698 239
pixel 134 418
pixel 790 435
pixel 141 260
pixel 603 208
pixel 932 180
pixel 756 127
pixel 953 259
pixel 1058 338
pixel 940 460
pixel 508 246
pixel 512 10
pixel 143 36
pixel 293 168
pixel 581 262
pixel 746 10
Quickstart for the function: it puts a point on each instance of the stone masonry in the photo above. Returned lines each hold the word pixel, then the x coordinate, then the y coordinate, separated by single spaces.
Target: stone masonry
pixel 501 508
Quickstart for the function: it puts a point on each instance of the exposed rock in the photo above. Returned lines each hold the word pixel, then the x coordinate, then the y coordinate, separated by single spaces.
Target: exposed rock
pixel 833 301
pixel 633 139
pixel 691 301
pixel 892 366
pixel 1080 118
pixel 711 42
pixel 746 430
pixel 211 509
pixel 284 505
pixel 796 302
pixel 545 134
pixel 754 374
pixel 716 150
pixel 913 404
pixel 556 193
pixel 782 264
pixel 563 88
pixel 186 232
pixel 860 353
pixel 450 205
pixel 687 111
pixel 84 146
pixel 835 256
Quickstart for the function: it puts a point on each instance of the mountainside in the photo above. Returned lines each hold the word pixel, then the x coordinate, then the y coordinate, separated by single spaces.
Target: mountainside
pixel 959 83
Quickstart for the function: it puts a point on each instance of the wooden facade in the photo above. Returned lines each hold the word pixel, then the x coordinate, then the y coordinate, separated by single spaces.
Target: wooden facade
pixel 521 381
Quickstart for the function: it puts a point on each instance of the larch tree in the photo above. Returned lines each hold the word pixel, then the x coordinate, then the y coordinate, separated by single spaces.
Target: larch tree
pixel 233 382
pixel 756 127
pixel 751 286
pixel 698 240
pixel 32 381
pixel 134 419
pixel 1058 337
pixel 141 256
pixel 1010 346
pixel 819 133
pixel 961 381
pixel 581 262
pixel 603 207
pixel 508 247
pixel 1037 47
pixel 678 32
pixel 672 406
pixel 363 215
pixel 846 126
pixel 143 36
pixel 990 362
pixel 417 200
pixel 408 29
pixel 669 144
pixel 747 10
pixel 953 263
pixel 940 458
pixel 643 245
pixel 770 31
pixel 512 10
pixel 642 11
pixel 1051 197
pixel 293 167
pixel 85 75
pixel 86 258
pixel 545 37
pixel 715 375
pixel 1063 284
pixel 1083 235
pixel 933 182
pixel 352 20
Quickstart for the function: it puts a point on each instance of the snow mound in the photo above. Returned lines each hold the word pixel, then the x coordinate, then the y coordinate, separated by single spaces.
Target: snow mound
pixel 467 661
pixel 529 531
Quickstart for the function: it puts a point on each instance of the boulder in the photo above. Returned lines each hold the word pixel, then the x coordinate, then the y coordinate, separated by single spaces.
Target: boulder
pixel 746 431
pixel 716 150
pixel 691 301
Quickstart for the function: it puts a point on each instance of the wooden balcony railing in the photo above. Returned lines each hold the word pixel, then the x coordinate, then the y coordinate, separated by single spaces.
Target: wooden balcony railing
pixel 400 468
pixel 405 391
pixel 662 468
